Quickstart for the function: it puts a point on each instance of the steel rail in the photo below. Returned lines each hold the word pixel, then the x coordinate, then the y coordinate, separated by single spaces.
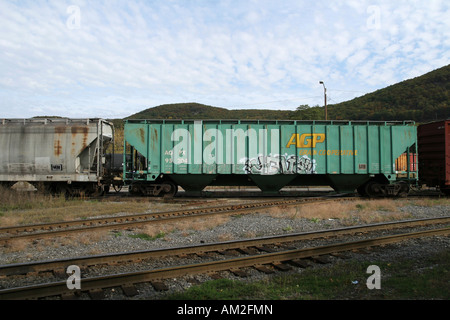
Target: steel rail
pixel 41 266
pixel 59 288
pixel 139 219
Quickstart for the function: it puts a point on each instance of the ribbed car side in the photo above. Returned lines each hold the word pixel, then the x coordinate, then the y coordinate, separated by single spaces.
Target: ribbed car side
pixel 59 155
pixel 434 155
pixel 160 155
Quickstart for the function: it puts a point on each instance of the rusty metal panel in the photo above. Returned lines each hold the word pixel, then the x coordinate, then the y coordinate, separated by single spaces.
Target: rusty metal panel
pixel 434 153
pixel 51 149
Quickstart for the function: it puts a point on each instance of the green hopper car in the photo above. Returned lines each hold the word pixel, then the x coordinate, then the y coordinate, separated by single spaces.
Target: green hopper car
pixel 160 155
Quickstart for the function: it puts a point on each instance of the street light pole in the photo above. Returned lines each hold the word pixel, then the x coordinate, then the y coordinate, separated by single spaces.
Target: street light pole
pixel 325 99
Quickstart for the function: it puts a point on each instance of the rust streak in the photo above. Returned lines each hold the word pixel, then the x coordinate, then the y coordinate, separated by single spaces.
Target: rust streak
pixel 142 134
pixel 60 130
pixel 57 148
pixel 83 131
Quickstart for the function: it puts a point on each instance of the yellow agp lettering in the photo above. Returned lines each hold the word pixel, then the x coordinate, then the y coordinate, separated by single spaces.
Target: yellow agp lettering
pixel 306 140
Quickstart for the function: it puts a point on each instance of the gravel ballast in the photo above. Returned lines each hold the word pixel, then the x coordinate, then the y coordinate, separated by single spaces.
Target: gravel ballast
pixel 257 224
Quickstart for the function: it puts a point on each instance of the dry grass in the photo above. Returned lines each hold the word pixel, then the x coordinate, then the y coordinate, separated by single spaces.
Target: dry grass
pixel 11 200
pixel 78 210
pixel 18 208
pixel 430 202
pixel 365 211
pixel 16 245
pixel 84 238
pixel 195 224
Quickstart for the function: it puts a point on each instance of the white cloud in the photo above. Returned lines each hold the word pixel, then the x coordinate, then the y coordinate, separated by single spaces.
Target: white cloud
pixel 129 55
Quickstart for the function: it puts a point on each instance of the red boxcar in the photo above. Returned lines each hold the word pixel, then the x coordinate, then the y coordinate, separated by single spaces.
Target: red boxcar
pixel 434 154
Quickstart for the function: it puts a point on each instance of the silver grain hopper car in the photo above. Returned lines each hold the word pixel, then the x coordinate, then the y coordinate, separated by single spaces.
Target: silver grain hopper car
pixel 60 155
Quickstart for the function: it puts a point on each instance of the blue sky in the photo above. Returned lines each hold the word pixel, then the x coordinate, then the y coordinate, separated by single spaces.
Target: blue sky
pixel 113 58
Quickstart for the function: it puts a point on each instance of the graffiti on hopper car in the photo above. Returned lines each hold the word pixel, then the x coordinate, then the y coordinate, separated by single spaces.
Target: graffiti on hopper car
pixel 279 164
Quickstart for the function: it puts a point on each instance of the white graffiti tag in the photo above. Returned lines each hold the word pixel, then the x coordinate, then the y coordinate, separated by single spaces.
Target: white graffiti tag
pixel 279 164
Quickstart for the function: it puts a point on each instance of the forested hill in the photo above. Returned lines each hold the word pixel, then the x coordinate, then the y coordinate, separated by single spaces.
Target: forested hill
pixel 202 112
pixel 424 98
pixel 421 99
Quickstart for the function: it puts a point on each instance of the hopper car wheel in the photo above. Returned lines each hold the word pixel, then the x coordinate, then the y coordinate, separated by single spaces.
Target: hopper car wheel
pixel 98 191
pixel 172 191
pixel 362 190
pixel 135 189
pixel 404 189
pixel 373 189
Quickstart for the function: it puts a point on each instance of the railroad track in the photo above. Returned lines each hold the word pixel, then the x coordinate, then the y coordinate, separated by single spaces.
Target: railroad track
pixel 259 260
pixel 46 230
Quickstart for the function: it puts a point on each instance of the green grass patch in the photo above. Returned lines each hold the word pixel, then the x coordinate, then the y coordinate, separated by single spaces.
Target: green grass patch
pixel 147 237
pixel 400 280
